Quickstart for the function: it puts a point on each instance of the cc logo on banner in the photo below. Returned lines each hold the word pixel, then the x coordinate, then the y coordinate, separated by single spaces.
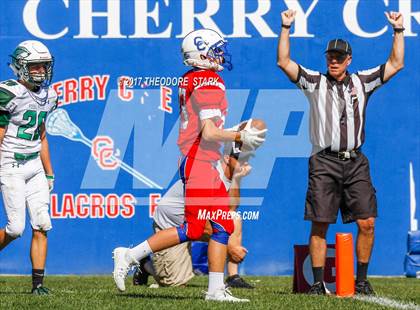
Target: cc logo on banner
pixel 103 152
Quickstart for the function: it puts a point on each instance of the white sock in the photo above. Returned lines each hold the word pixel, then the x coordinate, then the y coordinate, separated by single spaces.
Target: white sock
pixel 139 252
pixel 215 281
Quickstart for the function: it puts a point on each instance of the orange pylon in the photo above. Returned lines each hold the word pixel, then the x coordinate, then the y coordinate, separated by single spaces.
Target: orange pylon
pixel 344 264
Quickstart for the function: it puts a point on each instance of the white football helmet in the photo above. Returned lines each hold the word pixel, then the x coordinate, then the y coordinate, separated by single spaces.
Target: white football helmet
pixel 206 49
pixel 32 52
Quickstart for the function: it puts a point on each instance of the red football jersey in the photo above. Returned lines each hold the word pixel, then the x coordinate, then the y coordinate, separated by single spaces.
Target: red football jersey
pixel 201 96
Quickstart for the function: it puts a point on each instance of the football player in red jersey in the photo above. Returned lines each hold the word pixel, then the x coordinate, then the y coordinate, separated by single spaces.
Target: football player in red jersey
pixel 203 108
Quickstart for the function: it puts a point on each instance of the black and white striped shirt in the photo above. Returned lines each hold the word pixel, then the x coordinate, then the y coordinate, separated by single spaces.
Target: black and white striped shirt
pixel 338 109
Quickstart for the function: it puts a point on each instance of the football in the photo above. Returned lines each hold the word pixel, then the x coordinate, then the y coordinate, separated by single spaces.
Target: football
pixel 256 125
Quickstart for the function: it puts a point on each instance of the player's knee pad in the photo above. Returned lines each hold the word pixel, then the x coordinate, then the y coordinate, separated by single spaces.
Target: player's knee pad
pixel 220 234
pixel 42 220
pixel 15 229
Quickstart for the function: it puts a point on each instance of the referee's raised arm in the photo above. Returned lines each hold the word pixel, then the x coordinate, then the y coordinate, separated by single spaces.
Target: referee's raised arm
pixel 395 61
pixel 289 67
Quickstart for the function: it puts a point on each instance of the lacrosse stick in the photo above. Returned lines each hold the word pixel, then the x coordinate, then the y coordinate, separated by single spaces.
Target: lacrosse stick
pixel 59 124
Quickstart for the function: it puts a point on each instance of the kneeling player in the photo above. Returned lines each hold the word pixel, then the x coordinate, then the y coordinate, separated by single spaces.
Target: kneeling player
pixel 26 174
pixel 173 266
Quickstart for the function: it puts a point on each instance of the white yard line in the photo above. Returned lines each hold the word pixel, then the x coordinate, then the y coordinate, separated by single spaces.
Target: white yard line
pixel 387 302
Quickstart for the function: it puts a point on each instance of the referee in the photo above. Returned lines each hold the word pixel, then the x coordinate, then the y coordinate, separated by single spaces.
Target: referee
pixel 339 175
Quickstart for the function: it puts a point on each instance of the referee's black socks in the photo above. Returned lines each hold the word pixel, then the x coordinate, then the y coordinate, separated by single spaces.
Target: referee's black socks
pixel 318 274
pixel 362 269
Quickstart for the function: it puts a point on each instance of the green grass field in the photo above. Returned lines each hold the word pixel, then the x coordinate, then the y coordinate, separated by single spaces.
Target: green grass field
pixel 98 292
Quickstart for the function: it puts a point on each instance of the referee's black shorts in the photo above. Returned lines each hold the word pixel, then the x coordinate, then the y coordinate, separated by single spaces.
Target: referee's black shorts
pixel 336 184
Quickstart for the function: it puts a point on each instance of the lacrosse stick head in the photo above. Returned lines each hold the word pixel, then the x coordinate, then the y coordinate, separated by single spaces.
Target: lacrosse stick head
pixel 59 124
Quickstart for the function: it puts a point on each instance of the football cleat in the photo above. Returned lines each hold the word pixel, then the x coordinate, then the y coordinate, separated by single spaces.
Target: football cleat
pixel 141 276
pixel 121 267
pixel 223 294
pixel 363 288
pixel 237 282
pixel 318 288
pixel 40 290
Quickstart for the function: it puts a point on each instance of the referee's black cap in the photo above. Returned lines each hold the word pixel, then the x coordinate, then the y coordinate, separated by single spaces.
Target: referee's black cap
pixel 339 45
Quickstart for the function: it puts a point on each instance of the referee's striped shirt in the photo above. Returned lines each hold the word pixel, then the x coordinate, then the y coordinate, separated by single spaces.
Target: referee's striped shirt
pixel 338 109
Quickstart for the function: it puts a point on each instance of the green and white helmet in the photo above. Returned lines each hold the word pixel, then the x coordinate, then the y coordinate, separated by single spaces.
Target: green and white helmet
pixel 32 52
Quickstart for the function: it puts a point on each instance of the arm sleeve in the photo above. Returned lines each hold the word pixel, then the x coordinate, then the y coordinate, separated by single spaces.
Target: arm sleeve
pixel 307 80
pixel 55 100
pixel 372 79
pixel 53 107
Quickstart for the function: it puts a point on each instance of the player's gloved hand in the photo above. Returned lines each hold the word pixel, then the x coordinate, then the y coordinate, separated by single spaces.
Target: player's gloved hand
pixel 237 126
pixel 50 179
pixel 252 138
pixel 237 253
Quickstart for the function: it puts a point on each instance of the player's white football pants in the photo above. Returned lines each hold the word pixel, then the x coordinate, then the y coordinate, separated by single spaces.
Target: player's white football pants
pixel 23 184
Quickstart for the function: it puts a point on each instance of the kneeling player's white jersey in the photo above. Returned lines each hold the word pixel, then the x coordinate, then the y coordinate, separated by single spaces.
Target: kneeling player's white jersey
pixel 23 112
pixel 171 207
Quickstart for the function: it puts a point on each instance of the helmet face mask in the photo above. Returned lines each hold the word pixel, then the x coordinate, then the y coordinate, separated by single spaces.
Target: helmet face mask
pixel 206 49
pixel 220 53
pixel 37 79
pixel 32 53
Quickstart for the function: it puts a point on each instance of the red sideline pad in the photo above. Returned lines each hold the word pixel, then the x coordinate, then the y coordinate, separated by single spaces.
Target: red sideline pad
pixel 302 275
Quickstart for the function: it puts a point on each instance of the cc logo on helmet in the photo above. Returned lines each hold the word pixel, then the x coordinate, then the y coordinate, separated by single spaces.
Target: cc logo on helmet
pixel 199 42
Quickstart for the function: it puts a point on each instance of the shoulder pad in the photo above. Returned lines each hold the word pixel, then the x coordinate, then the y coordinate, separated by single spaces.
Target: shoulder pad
pixel 5 96
pixel 12 86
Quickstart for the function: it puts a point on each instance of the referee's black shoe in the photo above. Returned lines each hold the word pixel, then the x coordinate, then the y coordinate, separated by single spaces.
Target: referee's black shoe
pixel 363 287
pixel 140 275
pixel 318 288
pixel 237 282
